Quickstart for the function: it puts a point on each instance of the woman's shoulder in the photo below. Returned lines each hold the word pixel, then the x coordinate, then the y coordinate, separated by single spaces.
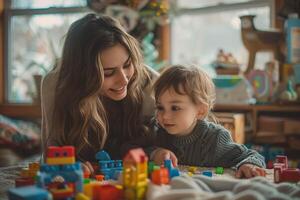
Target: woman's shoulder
pixel 50 79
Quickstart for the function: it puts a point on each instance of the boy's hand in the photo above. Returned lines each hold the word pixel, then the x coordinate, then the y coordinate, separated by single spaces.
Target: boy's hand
pixel 163 154
pixel 249 170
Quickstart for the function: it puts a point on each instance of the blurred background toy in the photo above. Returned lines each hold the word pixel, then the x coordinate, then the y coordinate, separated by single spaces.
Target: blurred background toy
pixel 258 40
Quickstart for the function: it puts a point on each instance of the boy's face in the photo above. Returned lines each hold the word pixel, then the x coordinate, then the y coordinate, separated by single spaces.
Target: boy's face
pixel 176 113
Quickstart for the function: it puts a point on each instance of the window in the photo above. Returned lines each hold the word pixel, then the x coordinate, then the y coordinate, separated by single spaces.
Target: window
pixel 200 28
pixel 34 37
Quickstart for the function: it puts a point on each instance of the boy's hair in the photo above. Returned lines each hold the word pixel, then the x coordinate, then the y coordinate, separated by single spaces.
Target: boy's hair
pixel 191 81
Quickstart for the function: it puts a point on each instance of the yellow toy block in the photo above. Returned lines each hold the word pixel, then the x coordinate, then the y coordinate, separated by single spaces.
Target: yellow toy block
pixel 34 166
pixel 81 196
pixel 60 161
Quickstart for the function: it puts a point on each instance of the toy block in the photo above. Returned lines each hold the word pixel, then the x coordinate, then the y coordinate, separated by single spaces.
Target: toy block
pixel 160 176
pixel 193 169
pixel 173 172
pixel 88 188
pixel 81 196
pixel 284 174
pixel 86 181
pixel 34 166
pixel 219 170
pixel 99 177
pixel 107 167
pixel 282 159
pixel 207 173
pixel 28 193
pixel 270 164
pixel 107 192
pixel 62 193
pixel 290 175
pixel 60 155
pixel 60 161
pixel 71 173
pixel 20 182
pixel 86 174
pixel 102 155
pixel 134 193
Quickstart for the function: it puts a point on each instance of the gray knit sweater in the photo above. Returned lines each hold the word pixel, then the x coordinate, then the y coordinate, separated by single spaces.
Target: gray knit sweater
pixel 208 145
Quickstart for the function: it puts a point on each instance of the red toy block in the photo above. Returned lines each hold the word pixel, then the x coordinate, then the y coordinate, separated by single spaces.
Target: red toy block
pixel 20 182
pixel 284 174
pixel 107 192
pixel 290 175
pixel 160 176
pixel 282 159
pixel 65 151
pixel 99 177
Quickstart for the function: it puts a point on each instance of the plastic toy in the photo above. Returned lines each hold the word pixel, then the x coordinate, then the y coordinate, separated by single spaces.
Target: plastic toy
pixel 109 168
pixel 28 193
pixel 160 176
pixel 219 170
pixel 262 85
pixel 192 169
pixel 135 175
pixel 60 155
pixel 61 171
pixel 207 173
pixel 173 172
pixel 233 90
pixel 27 175
pixel 284 174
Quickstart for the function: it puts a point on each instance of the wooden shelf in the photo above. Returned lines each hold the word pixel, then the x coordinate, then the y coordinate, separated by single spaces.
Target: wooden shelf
pixel 270 108
pixel 21 110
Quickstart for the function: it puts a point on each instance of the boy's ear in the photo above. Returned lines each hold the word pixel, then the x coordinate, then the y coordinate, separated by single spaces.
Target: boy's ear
pixel 202 111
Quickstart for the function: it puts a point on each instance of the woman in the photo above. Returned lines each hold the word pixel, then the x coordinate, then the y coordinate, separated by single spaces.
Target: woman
pixel 98 96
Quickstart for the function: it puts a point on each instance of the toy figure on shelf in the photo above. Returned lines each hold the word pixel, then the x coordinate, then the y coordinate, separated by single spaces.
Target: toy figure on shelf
pixel 226 63
pixel 289 94
pixel 233 90
pixel 257 40
pixel 262 84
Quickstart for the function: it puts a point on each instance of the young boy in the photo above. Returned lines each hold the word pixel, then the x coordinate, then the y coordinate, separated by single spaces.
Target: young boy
pixel 184 98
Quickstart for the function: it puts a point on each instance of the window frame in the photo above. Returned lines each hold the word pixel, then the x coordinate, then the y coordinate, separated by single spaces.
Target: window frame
pixel 24 110
pixel 225 7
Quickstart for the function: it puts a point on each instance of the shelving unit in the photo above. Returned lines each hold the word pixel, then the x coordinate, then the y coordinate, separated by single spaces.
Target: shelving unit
pixel 255 110
pixel 21 111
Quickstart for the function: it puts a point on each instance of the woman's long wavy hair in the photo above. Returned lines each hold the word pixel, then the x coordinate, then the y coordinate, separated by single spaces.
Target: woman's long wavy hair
pixel 78 106
pixel 190 81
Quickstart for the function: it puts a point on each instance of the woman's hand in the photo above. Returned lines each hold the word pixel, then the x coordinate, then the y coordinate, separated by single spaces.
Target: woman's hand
pixel 249 170
pixel 160 155
pixel 87 168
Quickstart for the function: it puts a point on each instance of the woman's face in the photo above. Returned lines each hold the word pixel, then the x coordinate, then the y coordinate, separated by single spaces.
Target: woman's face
pixel 118 71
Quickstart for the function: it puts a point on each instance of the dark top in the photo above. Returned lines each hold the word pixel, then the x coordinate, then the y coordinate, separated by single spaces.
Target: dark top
pixel 208 145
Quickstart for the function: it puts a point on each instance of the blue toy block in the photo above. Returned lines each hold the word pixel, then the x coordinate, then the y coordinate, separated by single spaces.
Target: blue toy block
pixel 28 193
pixel 207 173
pixel 70 172
pixel 109 168
pixel 173 172
pixel 102 155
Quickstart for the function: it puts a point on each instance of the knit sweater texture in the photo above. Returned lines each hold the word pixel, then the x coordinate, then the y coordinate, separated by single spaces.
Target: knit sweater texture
pixel 208 145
